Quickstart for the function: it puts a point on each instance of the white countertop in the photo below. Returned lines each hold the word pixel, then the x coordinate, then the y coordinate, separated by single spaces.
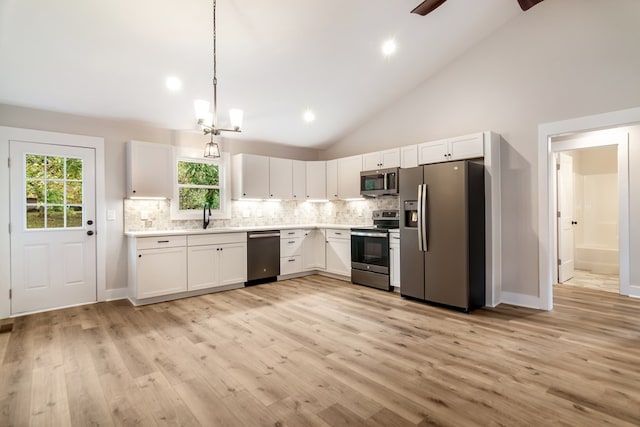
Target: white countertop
pixel 157 233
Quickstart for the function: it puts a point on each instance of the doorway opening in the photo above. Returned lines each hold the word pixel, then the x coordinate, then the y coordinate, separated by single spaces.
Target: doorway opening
pixel 614 128
pixel 587 206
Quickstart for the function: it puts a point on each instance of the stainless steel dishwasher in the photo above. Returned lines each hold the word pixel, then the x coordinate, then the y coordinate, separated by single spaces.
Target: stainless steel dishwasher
pixel 263 256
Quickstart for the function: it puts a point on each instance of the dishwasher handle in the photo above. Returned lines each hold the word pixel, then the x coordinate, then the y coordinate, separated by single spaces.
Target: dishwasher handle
pixel 261 235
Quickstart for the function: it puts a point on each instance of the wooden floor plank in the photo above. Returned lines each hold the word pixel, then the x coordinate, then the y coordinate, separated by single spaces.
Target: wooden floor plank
pixel 316 351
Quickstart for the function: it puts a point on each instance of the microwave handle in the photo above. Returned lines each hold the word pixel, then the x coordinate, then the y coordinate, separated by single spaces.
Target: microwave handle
pixel 386 181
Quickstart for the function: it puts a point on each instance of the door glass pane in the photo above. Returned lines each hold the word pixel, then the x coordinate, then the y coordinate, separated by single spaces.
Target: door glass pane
pixel 55 217
pixel 74 216
pixel 35 191
pixel 74 169
pixel 35 216
pixel 55 167
pixel 55 192
pixel 74 192
pixel 34 165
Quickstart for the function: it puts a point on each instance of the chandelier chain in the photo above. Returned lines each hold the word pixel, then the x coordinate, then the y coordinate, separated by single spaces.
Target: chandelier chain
pixel 215 74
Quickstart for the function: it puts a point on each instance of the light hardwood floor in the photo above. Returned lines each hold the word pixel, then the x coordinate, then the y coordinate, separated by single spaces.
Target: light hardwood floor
pixel 317 352
pixel 591 280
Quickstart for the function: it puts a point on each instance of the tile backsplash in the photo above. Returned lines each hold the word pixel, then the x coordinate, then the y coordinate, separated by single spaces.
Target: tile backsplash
pixel 154 215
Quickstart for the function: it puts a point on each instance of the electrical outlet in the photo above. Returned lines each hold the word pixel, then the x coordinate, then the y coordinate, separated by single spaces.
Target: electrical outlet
pixel 111 215
pixel 245 213
pixel 259 213
pixel 144 215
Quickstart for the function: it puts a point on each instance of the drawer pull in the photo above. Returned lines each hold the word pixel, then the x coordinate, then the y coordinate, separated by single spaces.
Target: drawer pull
pixel 163 241
pixel 291 241
pixel 338 233
pixel 291 232
pixel 292 260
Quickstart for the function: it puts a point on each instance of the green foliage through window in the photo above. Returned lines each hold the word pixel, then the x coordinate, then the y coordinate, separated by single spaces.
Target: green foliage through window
pixel 198 183
pixel 53 192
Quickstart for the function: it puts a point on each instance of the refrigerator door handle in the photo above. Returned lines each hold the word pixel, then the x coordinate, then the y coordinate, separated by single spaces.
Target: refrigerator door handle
pixel 420 248
pixel 425 208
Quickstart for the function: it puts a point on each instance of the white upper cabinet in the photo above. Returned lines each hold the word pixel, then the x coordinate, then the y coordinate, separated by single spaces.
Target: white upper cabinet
pixel 149 169
pixel 250 177
pixel 466 147
pixel 381 159
pixel 433 152
pixel 349 169
pixel 462 147
pixel 316 180
pixel 332 179
pixel 280 178
pixel 409 156
pixel 300 180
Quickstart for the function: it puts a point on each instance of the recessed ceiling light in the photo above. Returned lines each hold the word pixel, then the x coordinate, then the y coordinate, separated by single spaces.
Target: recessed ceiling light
pixel 308 116
pixel 389 47
pixel 173 83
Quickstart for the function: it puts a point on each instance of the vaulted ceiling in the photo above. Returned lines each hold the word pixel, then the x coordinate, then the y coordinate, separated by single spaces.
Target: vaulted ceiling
pixel 276 58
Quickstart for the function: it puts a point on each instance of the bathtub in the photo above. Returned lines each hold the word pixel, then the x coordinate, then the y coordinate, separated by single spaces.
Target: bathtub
pixel 597 259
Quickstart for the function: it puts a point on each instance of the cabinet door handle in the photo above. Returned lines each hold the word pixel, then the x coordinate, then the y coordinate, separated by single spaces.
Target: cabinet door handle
pixel 140 256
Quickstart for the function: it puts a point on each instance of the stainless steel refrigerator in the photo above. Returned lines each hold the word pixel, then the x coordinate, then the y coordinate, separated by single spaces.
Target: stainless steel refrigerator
pixel 442 233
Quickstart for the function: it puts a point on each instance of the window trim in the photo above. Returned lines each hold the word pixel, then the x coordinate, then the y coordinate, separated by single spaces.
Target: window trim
pixel 224 186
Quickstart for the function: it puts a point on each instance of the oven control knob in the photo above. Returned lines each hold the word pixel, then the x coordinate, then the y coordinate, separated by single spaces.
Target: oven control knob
pixel 368 267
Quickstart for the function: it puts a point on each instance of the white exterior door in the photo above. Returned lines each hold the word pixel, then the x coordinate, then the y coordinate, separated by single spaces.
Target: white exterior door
pixel 53 243
pixel 565 218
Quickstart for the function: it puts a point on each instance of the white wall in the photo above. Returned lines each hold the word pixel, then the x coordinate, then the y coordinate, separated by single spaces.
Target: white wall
pixel 634 205
pixel 116 133
pixel 561 59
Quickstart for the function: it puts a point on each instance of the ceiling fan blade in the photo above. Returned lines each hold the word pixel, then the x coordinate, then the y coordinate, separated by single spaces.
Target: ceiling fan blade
pixel 528 4
pixel 428 6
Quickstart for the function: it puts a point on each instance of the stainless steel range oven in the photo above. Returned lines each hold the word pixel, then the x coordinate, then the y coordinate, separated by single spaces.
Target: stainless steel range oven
pixel 370 251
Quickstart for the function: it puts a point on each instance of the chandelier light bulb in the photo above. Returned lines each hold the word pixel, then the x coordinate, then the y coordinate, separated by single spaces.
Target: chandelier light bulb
pixel 235 116
pixel 202 108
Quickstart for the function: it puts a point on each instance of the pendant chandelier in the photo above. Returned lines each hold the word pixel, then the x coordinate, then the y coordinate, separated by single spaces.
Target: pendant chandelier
pixel 207 119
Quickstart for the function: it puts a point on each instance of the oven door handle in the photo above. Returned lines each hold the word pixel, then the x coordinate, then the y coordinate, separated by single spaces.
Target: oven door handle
pixel 365 234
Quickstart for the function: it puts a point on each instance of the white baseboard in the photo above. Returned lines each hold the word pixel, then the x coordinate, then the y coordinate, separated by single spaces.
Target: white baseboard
pixel 116 294
pixel 634 291
pixel 521 300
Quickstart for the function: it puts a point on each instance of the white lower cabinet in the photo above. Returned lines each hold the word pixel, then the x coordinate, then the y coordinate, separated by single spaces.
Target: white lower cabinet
pixel 216 260
pixel 167 265
pixel 313 250
pixel 394 258
pixel 291 251
pixel 338 248
pixel 158 267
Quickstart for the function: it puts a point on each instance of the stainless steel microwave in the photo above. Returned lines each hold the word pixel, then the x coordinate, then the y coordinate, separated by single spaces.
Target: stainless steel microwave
pixel 381 182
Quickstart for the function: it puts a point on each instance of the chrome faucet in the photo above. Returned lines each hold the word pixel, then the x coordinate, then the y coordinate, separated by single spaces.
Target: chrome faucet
pixel 205 218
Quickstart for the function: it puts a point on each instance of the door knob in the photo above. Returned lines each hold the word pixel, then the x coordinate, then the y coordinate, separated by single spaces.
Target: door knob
pixel 90 233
